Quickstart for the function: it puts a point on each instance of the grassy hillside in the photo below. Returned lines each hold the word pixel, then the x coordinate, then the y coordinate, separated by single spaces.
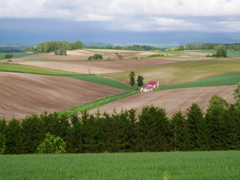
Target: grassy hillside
pixel 11 67
pixel 182 72
pixel 15 55
pixel 225 79
pixel 167 165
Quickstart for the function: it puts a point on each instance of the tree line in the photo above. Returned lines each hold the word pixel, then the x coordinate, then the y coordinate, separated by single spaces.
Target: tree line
pixel 150 131
pixel 53 46
pixel 210 46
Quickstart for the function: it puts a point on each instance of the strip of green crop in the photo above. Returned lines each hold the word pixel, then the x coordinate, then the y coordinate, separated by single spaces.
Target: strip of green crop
pixel 12 67
pixel 98 103
pixel 102 80
pixel 211 165
pixel 222 80
pixel 15 55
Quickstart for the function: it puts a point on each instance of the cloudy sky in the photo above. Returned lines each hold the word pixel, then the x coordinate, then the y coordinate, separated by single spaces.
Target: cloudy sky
pixel 25 21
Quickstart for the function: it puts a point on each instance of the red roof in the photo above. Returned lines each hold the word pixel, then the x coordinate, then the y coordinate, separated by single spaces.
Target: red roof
pixel 152 83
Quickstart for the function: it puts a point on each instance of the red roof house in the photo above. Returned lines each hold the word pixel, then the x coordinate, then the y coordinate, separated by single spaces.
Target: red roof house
pixel 154 84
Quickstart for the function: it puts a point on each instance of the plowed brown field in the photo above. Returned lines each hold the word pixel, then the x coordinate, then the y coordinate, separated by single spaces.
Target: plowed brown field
pixel 26 94
pixel 97 67
pixel 171 100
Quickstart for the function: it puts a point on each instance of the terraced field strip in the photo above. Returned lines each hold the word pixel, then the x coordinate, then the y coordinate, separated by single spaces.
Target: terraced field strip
pixel 225 79
pixel 182 72
pixel 211 165
pixel 172 100
pixel 15 55
pixel 99 103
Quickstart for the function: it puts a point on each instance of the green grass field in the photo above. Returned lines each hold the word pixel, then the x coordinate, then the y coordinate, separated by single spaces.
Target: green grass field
pixel 99 103
pixel 222 80
pixel 182 72
pixel 15 55
pixel 230 53
pixel 168 165
pixel 12 67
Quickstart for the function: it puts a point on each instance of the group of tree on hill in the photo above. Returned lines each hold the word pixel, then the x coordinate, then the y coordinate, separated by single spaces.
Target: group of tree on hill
pixel 150 131
pixel 211 46
pixel 54 46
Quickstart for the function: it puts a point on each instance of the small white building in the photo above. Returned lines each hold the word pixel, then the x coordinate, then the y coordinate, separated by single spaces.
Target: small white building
pixel 146 89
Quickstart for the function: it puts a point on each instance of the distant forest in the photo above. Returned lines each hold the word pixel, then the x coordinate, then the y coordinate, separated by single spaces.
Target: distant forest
pixel 12 48
pixel 210 46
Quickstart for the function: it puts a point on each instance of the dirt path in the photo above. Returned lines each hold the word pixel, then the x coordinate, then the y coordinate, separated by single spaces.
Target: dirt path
pixel 26 94
pixel 171 100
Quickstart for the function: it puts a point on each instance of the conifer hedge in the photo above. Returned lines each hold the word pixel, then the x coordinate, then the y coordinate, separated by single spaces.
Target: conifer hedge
pixel 150 131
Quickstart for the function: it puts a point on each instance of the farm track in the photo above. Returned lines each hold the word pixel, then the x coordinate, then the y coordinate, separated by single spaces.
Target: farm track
pixel 26 94
pixel 171 100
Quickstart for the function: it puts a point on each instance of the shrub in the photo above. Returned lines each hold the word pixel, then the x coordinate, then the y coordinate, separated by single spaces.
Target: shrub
pixel 8 56
pixel 52 145
pixel 60 52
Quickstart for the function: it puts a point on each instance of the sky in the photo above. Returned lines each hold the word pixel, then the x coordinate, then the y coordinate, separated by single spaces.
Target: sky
pixel 119 21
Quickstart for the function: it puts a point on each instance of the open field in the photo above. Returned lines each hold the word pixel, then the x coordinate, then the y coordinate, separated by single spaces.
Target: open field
pixel 221 80
pixel 172 100
pixel 172 165
pixel 98 67
pixel 181 72
pixel 26 94
pixel 15 55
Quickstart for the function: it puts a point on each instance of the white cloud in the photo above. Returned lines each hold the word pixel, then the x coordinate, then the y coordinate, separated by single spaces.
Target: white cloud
pixel 137 15
pixel 93 17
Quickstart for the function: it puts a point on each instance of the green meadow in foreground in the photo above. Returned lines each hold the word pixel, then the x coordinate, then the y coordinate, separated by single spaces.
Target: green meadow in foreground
pixel 163 165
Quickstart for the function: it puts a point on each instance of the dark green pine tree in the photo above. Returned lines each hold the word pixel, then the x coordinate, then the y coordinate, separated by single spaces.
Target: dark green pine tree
pixel 106 134
pixel 14 142
pixel 90 133
pixel 33 133
pixel 153 130
pixel 197 128
pixel 230 130
pixel 179 132
pixel 140 81
pixel 216 107
pixel 74 141
pixel 3 126
pixel 131 130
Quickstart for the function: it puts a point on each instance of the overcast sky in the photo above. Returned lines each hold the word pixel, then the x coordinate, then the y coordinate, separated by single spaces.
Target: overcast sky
pixel 85 16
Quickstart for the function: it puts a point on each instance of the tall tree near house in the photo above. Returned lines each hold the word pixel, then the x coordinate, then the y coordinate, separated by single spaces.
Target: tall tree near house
pixel 132 78
pixel 140 80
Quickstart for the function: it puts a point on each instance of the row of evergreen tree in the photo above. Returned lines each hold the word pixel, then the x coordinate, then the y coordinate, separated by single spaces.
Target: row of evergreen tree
pixel 150 131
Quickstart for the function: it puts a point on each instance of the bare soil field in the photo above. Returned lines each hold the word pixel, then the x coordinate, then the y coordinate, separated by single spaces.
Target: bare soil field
pixel 26 94
pixel 98 67
pixel 171 100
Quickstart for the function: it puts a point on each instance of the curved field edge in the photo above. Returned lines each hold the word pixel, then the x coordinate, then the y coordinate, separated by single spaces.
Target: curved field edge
pixel 181 72
pixel 221 80
pixel 159 165
pixel 11 67
pixel 98 103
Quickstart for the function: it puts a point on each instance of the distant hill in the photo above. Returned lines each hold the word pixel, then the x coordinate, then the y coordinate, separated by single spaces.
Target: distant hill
pixel 11 48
